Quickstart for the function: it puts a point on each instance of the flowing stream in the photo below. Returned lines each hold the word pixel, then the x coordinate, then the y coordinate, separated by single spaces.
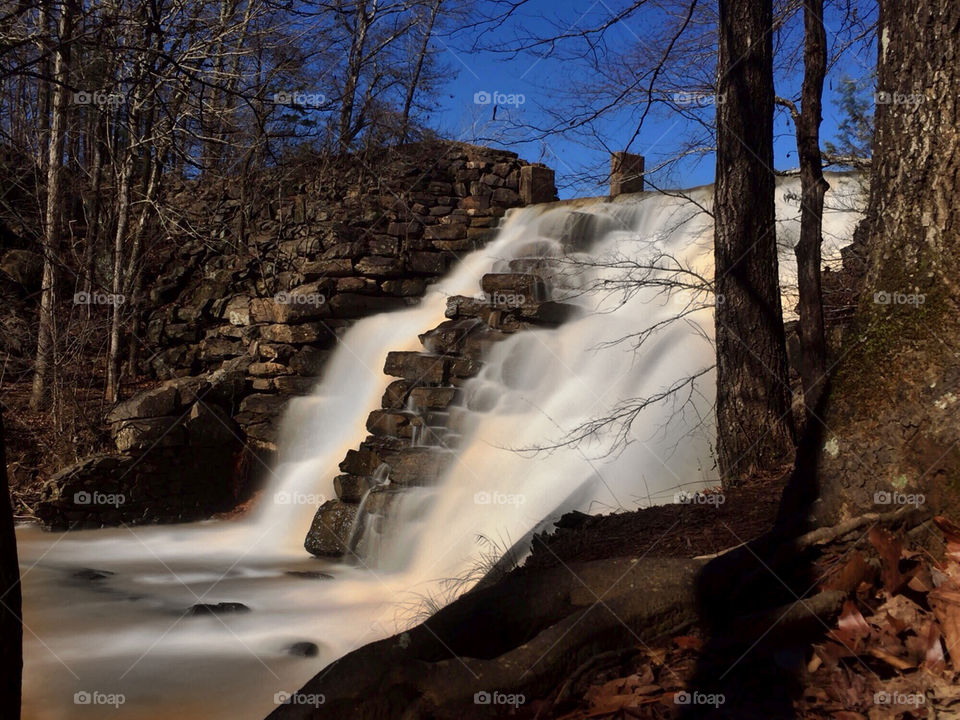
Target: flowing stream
pixel 107 628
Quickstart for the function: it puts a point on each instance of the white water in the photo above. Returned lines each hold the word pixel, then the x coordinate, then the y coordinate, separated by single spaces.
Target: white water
pixel 127 633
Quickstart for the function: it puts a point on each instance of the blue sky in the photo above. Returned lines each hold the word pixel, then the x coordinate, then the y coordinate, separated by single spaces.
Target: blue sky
pixel 544 83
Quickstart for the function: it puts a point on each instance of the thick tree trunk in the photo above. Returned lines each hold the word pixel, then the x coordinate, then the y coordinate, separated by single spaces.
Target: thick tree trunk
pixel 893 420
pixel 754 421
pixel 11 631
pixel 813 346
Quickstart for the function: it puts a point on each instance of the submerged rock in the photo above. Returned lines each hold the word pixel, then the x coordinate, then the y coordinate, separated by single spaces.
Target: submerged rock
pixel 91 574
pixel 304 649
pixel 218 608
pixel 310 574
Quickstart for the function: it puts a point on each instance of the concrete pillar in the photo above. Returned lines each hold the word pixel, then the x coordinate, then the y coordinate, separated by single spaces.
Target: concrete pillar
pixel 626 173
pixel 537 184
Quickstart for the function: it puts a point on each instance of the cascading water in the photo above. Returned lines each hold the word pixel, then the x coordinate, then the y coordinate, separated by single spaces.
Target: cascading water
pixel 123 630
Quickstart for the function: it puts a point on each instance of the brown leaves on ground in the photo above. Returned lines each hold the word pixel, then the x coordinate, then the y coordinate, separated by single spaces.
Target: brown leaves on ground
pixel 649 688
pixel 894 653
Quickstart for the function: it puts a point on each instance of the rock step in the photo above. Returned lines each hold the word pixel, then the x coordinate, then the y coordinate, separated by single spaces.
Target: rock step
pixel 513 288
pixel 523 315
pixel 418 367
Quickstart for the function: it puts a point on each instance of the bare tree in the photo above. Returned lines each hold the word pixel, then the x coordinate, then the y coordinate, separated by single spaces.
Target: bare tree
pixel 813 186
pixel 754 423
pixel 414 83
pixel 46 339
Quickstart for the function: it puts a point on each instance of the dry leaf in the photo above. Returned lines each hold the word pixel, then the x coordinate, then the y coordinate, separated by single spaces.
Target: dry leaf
pixel 848 578
pixel 688 642
pixel 851 627
pixel 946 606
pixel 890 549
pixel 933 654
pixel 952 534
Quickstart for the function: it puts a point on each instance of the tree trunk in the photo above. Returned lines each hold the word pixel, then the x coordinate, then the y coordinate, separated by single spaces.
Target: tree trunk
pixel 53 212
pixel 893 418
pixel 813 346
pixel 417 71
pixel 112 390
pixel 754 421
pixel 11 631
pixel 358 41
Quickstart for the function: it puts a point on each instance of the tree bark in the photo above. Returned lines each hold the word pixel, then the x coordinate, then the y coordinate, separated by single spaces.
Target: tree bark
pixel 11 629
pixel 112 390
pixel 754 421
pixel 347 126
pixel 893 417
pixel 418 71
pixel 813 186
pixel 40 393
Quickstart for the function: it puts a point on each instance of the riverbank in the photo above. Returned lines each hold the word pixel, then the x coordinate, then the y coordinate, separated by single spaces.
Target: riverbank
pixel 687 610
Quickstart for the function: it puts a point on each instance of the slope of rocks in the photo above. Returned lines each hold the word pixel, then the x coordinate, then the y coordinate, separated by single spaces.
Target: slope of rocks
pixel 413 436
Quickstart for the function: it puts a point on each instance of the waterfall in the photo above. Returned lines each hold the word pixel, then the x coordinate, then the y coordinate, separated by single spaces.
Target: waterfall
pixel 515 471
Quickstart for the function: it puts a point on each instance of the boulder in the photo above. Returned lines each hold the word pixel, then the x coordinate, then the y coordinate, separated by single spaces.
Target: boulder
pixel 330 531
pixel 360 462
pixel 309 361
pixel 147 433
pixel 521 287
pixel 351 305
pixel 378 266
pixel 300 334
pixel 159 401
pixel 351 488
pixel 453 231
pixel 318 269
pixel 418 465
pixel 289 307
pixel 388 422
pixel 395 396
pixel 432 398
pixel 405 287
pixel 421 368
pixel 292 385
pixel 430 263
